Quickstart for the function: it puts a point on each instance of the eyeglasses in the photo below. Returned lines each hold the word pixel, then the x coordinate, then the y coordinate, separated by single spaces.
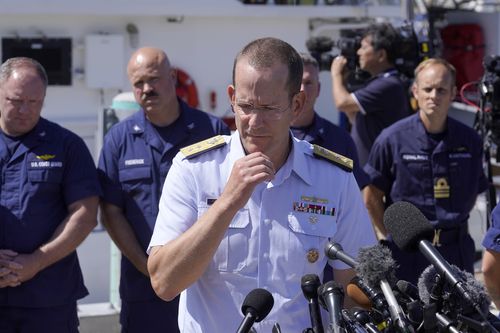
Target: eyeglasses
pixel 267 112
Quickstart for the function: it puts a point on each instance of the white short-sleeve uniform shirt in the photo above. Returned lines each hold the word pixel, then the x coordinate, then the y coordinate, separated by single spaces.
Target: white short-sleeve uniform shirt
pixel 275 239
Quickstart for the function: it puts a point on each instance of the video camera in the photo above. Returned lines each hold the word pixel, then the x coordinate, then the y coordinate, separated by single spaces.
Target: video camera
pixel 320 48
pixel 490 94
pixel 407 48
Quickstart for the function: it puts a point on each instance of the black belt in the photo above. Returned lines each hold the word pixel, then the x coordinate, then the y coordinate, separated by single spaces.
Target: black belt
pixel 448 236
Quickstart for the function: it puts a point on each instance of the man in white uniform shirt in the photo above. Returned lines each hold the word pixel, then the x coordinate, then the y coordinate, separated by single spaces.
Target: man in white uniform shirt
pixel 255 209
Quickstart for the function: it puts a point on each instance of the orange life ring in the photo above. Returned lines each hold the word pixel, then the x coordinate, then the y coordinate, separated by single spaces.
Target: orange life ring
pixel 186 88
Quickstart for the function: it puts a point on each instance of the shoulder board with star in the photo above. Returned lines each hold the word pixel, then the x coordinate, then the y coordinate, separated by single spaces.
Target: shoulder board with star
pixel 203 146
pixel 337 159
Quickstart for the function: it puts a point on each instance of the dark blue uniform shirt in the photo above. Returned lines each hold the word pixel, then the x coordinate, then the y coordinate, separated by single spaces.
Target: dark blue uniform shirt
pixel 50 169
pixel 383 101
pixel 440 176
pixel 332 137
pixel 491 240
pixel 134 162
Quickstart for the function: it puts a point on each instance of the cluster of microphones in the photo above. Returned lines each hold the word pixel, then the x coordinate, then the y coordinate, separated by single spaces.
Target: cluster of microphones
pixel 446 298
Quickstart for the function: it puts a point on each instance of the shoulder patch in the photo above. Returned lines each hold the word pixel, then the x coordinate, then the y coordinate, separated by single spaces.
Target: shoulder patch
pixel 337 159
pixel 203 146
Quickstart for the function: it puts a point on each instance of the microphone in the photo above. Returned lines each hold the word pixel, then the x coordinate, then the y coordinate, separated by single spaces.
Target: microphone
pixel 309 284
pixel 411 230
pixel 366 296
pixel 256 306
pixel 354 326
pixel 430 287
pixel 332 298
pixel 335 251
pixel 414 309
pixel 427 288
pixel 358 295
pixel 377 267
pixel 363 317
pixel 408 289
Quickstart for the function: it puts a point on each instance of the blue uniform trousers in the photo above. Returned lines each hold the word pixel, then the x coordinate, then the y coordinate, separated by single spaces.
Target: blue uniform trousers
pixel 60 319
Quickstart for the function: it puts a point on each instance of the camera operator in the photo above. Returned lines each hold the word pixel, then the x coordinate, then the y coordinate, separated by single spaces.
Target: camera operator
pixel 383 100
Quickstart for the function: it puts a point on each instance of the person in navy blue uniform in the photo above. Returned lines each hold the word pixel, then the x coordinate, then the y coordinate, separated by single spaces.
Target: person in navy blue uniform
pixel 491 257
pixel 48 205
pixel 433 162
pixel 309 126
pixel 384 98
pixel 134 162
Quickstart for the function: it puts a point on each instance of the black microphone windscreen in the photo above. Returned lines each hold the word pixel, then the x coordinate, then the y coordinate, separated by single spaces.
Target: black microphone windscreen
pixel 376 263
pixel 408 289
pixel 407 225
pixel 309 284
pixel 260 302
pixel 476 290
pixel 330 287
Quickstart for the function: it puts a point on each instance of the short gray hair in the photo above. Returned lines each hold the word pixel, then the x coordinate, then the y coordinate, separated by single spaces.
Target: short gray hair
pixel 10 65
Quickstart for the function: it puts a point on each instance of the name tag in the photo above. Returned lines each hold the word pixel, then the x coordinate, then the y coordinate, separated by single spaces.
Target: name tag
pixel 459 155
pixel 46 164
pixel 415 157
pixel 138 161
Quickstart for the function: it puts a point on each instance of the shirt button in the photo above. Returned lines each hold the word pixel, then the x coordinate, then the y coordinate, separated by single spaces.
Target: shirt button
pixel 266 256
pixel 267 222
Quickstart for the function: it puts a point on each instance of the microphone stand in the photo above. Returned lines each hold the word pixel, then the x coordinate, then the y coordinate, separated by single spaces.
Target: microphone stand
pixel 398 317
pixel 446 324
pixel 476 326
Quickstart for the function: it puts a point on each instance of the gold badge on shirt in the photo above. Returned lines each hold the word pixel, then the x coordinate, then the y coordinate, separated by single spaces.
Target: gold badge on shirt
pixel 312 255
pixel 441 188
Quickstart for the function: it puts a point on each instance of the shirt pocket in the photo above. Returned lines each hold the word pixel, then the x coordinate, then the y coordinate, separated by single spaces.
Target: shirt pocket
pixel 134 179
pixel 233 251
pixel 45 180
pixel 463 183
pixel 414 181
pixel 309 234
pixel 45 187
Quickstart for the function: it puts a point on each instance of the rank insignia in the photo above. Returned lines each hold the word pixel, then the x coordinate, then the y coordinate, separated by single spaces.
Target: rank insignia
pixel 312 255
pixel 441 189
pixel 203 146
pixel 332 157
